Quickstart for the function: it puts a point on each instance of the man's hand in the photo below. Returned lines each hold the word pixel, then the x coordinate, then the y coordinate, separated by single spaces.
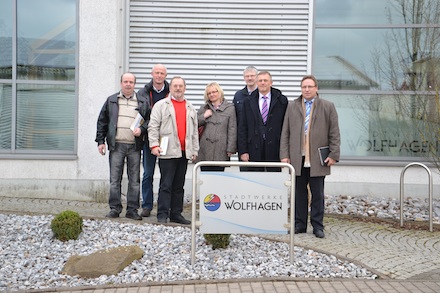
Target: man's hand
pixel 137 132
pixel 285 160
pixel 245 157
pixel 101 149
pixel 156 151
pixel 330 161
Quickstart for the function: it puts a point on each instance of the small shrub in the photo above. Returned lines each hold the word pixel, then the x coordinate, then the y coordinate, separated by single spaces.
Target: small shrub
pixel 217 240
pixel 67 225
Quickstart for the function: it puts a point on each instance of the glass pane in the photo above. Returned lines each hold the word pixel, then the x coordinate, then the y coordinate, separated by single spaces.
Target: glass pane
pixel 387 125
pixel 45 117
pixel 6 39
pixel 46 44
pixel 377 59
pixel 5 116
pixel 377 11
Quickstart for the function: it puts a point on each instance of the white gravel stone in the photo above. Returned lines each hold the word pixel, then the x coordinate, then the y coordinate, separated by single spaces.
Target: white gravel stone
pixel 32 259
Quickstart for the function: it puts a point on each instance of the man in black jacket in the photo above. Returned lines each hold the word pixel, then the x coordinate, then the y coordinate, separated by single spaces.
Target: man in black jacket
pixel 157 89
pixel 120 125
pixel 259 128
pixel 250 78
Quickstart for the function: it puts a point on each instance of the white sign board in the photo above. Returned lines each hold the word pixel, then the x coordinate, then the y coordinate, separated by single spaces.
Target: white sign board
pixel 243 202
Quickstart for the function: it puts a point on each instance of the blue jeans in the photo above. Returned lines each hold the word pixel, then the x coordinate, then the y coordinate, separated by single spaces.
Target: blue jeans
pixel 171 192
pixel 149 163
pixel 117 157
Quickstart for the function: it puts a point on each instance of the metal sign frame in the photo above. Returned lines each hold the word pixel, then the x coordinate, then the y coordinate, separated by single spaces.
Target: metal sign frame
pixel 195 195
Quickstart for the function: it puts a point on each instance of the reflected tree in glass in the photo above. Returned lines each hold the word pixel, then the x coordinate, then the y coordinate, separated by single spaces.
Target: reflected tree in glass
pixel 410 63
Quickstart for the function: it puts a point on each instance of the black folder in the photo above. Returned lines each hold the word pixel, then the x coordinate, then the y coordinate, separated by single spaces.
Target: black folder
pixel 323 154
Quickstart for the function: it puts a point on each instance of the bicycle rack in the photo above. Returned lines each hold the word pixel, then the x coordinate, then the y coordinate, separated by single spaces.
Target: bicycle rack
pixel 430 192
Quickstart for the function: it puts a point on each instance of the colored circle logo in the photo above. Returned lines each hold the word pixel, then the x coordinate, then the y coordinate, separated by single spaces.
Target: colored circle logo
pixel 212 202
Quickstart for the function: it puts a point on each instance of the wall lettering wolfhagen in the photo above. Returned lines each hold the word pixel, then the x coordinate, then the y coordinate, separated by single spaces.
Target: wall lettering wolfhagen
pixel 414 146
pixel 389 145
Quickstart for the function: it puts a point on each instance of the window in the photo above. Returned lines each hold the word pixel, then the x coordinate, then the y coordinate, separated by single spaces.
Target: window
pixel 38 103
pixel 379 62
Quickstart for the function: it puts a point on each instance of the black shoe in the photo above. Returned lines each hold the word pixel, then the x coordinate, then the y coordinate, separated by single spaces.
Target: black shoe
pixel 162 220
pixel 180 219
pixel 133 215
pixel 299 230
pixel 319 233
pixel 112 214
pixel 146 212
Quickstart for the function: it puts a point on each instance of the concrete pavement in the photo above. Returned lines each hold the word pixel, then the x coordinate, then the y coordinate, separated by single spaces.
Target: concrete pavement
pixel 405 260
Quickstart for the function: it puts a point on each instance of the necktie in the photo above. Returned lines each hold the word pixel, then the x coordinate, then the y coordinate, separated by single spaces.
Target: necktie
pixel 264 110
pixel 306 122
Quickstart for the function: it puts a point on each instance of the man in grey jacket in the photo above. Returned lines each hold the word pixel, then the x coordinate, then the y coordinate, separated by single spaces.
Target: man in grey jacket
pixel 173 137
pixel 310 123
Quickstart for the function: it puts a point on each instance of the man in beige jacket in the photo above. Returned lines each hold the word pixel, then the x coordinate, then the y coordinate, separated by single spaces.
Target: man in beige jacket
pixel 173 137
pixel 310 123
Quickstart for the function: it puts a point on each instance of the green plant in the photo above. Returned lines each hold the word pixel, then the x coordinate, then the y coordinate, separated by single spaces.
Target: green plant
pixel 217 240
pixel 67 225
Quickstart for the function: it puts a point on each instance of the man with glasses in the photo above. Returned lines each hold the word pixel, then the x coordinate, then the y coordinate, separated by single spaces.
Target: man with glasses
pixel 309 124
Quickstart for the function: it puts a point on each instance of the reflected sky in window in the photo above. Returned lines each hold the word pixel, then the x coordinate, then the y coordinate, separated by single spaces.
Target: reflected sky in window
pixel 377 12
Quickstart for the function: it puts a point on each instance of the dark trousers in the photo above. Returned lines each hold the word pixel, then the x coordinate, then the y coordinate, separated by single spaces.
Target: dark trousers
pixel 301 200
pixel 149 164
pixel 263 159
pixel 212 168
pixel 171 192
pixel 117 157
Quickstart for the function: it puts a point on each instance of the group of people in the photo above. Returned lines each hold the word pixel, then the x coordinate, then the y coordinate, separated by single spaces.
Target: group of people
pixel 260 124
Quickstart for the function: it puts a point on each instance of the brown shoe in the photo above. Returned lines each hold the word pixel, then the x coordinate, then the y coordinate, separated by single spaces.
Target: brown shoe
pixel 146 212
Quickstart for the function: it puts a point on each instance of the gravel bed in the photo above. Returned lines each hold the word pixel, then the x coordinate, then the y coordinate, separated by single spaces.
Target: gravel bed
pixel 32 259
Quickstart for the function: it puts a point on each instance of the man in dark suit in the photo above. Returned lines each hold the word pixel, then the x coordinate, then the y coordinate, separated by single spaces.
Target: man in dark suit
pixel 310 123
pixel 260 126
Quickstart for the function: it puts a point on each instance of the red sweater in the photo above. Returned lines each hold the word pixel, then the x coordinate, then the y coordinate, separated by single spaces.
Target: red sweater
pixel 180 109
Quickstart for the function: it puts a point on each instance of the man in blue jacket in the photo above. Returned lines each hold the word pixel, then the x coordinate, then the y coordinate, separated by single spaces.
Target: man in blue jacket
pixel 120 125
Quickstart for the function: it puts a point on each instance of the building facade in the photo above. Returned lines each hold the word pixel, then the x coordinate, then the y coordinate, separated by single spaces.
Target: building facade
pixel 378 61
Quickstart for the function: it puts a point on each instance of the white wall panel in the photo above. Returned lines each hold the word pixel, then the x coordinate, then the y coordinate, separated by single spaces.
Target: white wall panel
pixel 205 41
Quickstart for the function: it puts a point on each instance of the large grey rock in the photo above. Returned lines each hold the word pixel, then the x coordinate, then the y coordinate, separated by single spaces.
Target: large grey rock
pixel 103 262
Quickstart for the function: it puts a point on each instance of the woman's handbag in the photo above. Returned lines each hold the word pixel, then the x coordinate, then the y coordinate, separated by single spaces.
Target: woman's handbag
pixel 201 129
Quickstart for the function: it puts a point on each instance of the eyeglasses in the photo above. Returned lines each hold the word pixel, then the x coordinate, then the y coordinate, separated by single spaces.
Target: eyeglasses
pixel 210 93
pixel 306 87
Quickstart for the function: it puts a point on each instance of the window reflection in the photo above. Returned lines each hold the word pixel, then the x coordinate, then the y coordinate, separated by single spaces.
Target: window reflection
pixel 45 117
pixel 379 125
pixel 37 112
pixel 46 44
pixel 377 59
pixel 376 12
pixel 5 116
pixel 6 40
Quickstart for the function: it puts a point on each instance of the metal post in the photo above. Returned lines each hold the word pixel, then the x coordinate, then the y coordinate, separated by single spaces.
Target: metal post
pixel 402 191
